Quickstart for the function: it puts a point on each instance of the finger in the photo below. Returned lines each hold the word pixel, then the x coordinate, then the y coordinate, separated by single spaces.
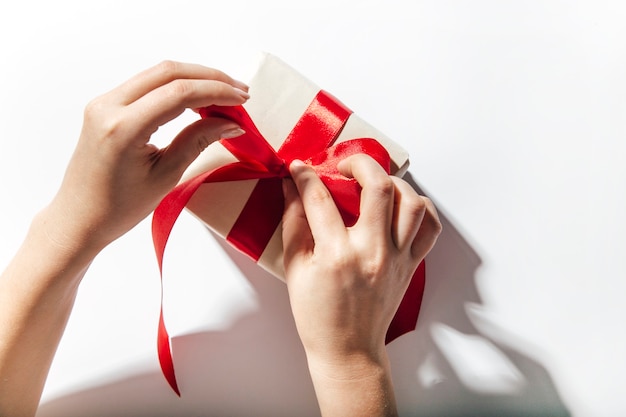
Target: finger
pixel 377 196
pixel 297 237
pixel 408 213
pixel 194 139
pixel 167 102
pixel 164 73
pixel 428 232
pixel 321 212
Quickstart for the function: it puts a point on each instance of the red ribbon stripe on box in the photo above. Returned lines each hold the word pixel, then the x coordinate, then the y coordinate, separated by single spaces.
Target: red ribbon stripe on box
pixel 311 141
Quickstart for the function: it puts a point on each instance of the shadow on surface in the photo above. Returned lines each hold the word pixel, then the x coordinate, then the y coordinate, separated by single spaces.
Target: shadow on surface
pixel 256 367
pixel 451 366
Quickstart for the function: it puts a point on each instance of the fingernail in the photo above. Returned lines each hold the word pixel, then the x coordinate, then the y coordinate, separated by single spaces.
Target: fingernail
pixel 296 166
pixel 242 93
pixel 232 133
pixel 296 163
pixel 241 85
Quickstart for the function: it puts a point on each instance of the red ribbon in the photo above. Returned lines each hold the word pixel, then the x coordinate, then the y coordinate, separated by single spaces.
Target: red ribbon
pixel 311 141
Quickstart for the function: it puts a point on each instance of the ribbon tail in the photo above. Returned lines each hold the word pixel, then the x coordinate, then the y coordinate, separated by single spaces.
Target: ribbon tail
pixel 405 319
pixel 165 215
pixel 163 220
pixel 168 211
pixel 165 353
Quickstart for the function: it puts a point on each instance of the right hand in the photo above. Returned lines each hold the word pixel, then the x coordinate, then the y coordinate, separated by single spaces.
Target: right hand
pixel 346 283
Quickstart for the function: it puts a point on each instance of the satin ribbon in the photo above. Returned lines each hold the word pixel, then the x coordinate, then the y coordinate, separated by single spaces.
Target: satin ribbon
pixel 311 141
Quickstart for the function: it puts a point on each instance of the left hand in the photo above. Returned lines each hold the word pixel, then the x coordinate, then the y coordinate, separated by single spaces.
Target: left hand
pixel 116 177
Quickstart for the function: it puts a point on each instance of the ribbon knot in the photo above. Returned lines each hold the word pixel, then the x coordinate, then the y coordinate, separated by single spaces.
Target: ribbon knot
pixel 311 140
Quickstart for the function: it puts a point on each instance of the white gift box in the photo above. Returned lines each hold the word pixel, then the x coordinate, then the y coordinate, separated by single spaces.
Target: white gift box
pixel 279 96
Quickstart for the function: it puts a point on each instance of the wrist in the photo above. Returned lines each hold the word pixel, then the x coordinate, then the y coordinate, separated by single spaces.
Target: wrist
pixel 65 232
pixel 360 384
pixel 63 248
pixel 348 366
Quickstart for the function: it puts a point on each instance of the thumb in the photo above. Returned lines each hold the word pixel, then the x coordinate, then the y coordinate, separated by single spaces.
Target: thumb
pixel 297 237
pixel 194 139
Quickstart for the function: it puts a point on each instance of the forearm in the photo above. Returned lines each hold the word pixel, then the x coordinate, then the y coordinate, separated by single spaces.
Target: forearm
pixel 37 292
pixel 343 293
pixel 115 178
pixel 361 388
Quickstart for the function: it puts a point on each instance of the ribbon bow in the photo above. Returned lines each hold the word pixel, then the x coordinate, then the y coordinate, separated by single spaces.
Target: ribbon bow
pixel 311 140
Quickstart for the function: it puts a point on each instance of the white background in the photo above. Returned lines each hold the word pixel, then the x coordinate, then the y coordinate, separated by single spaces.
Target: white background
pixel 514 114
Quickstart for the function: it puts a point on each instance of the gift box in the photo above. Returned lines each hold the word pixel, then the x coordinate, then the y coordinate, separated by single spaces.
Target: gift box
pixel 234 186
pixel 278 97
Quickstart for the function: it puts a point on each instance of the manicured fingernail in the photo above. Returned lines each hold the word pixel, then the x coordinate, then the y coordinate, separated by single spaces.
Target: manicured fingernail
pixel 232 133
pixel 241 93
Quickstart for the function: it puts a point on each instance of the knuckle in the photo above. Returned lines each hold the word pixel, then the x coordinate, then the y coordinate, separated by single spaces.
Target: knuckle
pixel 94 108
pixel 427 201
pixel 168 67
pixel 179 89
pixel 415 205
pixel 108 123
pixel 318 196
pixel 435 225
pixel 383 186
pixel 373 258
pixel 340 260
pixel 333 256
pixel 431 216
pixel 375 265
pixel 111 127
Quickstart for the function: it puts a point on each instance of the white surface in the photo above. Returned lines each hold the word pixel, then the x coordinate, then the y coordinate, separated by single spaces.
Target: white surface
pixel 514 113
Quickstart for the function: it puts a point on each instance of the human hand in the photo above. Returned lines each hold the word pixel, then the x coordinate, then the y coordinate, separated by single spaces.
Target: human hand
pixel 116 177
pixel 345 284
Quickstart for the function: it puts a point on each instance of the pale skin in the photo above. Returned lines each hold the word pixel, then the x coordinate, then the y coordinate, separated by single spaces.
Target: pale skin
pixel 116 178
